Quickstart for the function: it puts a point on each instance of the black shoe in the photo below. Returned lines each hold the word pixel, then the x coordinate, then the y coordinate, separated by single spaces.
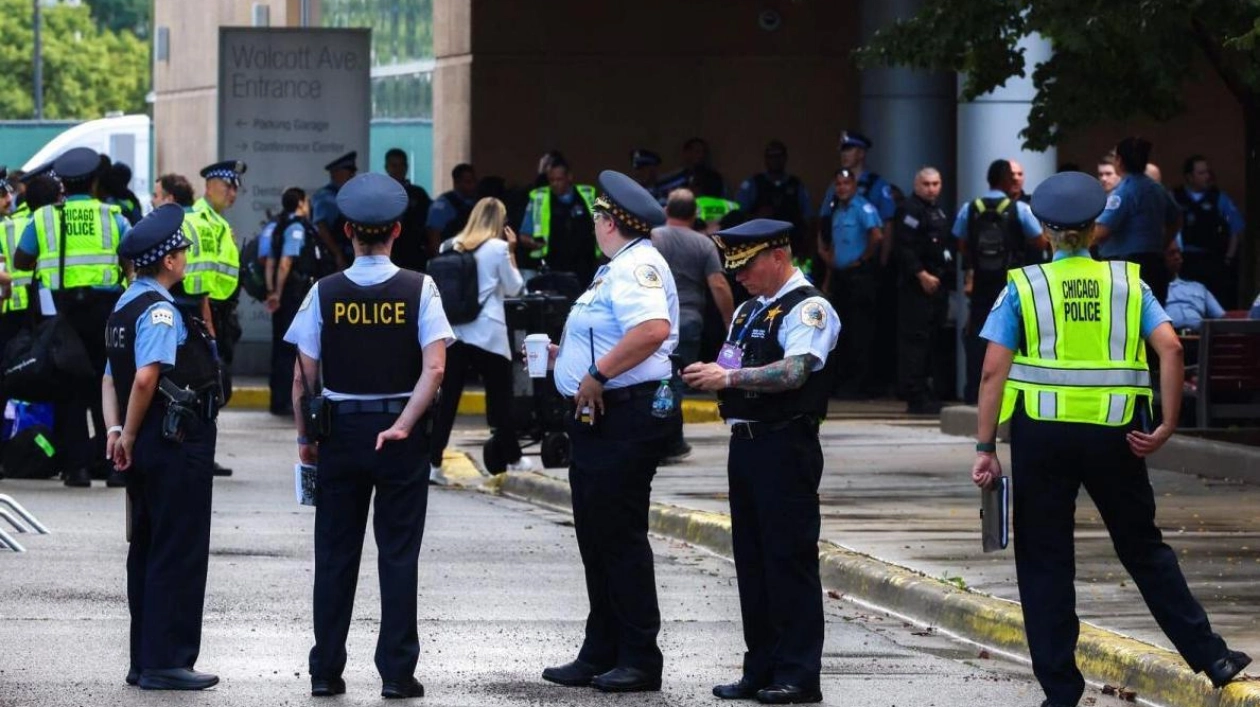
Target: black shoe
pixel 745 689
pixel 924 407
pixel 1226 669
pixel 176 679
pixel 576 674
pixel 627 680
pixel 402 690
pixel 116 479
pixel 676 454
pixel 788 695
pixel 1050 703
pixel 133 676
pixel 220 470
pixel 327 687
pixel 79 478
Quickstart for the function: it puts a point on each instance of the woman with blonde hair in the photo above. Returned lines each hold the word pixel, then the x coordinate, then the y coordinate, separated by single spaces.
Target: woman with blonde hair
pixel 482 344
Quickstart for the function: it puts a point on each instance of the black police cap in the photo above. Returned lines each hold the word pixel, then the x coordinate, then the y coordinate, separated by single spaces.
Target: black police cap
pixel 45 168
pixel 229 171
pixel 372 199
pixel 628 202
pixel 740 244
pixel 77 164
pixel 1069 200
pixel 346 161
pixel 849 138
pixel 155 236
pixel 644 158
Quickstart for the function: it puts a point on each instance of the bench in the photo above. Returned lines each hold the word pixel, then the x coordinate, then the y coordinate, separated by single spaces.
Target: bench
pixel 1228 387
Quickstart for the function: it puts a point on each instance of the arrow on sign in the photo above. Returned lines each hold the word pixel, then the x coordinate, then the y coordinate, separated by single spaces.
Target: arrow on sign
pixel 242 145
pixel 241 123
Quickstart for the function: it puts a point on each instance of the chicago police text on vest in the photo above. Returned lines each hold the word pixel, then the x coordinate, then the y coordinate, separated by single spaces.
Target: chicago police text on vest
pixel 1081 300
pixel 370 312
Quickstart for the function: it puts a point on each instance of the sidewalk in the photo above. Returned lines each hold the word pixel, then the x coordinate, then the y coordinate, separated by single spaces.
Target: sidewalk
pixel 898 490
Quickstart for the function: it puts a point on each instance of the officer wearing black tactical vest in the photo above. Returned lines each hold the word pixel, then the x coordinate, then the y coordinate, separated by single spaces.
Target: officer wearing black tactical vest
pixel 160 395
pixel 773 380
pixel 72 247
pixel 925 271
pixel 377 335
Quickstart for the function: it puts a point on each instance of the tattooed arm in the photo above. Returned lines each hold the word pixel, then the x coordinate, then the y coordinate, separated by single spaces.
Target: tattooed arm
pixel 788 374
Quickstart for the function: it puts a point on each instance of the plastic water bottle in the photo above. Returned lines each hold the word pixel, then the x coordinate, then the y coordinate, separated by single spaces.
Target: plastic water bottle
pixel 663 401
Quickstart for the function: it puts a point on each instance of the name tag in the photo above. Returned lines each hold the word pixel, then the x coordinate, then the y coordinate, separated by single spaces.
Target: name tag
pixel 731 357
pixel 371 313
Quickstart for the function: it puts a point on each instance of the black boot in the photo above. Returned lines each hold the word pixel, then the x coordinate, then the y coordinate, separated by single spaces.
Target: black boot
pixel 78 478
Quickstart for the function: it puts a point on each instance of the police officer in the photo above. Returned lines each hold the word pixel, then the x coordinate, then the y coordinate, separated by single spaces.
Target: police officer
pixel 772 377
pixel 1066 361
pixel 376 336
pixel 214 265
pixel 1141 218
pixel 327 215
pixel 159 394
pixel 82 288
pixel 924 261
pixel 646 165
pixel 175 189
pixel 1211 230
pixel 450 211
pixel 557 225
pixel 778 195
pixel 16 310
pixel 611 363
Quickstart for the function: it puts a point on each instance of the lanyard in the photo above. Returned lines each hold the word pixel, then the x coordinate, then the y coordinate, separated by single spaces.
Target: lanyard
pixel 743 331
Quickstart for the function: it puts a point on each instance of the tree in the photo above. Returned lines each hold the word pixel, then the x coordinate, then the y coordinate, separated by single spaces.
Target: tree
pixel 122 15
pixel 88 71
pixel 1112 60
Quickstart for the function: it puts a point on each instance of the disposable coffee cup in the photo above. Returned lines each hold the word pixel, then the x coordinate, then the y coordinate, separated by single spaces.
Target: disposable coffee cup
pixel 536 354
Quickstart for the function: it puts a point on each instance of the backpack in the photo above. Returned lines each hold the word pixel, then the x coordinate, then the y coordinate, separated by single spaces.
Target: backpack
pixel 991 244
pixel 455 274
pixel 253 275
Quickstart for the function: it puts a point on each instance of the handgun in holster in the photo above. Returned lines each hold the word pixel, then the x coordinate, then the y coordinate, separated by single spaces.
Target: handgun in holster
pixel 317 413
pixel 183 407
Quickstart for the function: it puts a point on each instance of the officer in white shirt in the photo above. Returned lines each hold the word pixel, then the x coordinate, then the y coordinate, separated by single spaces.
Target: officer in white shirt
pixel 377 337
pixel 611 363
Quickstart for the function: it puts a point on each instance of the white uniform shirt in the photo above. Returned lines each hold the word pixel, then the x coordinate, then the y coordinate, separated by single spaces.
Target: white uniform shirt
pixel 496 279
pixel 365 271
pixel 634 287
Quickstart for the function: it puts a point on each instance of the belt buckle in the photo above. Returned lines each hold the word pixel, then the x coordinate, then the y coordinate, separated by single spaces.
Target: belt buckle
pixel 746 427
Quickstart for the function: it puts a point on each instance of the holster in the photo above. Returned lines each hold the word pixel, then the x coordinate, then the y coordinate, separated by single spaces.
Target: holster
pixel 183 407
pixel 317 412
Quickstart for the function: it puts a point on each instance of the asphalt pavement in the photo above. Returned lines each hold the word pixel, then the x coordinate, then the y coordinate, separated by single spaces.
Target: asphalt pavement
pixel 501 597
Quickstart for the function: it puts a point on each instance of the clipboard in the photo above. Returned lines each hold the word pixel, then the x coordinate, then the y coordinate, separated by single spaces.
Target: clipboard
pixel 995 503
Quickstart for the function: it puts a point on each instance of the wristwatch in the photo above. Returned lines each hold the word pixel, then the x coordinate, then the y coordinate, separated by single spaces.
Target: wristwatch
pixel 990 447
pixel 599 377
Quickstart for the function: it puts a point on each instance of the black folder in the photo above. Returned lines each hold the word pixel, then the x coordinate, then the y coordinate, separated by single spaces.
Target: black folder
pixel 995 503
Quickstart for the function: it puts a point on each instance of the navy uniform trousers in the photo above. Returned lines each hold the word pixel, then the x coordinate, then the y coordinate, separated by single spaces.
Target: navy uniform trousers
pixel 611 472
pixel 774 525
pixel 86 310
pixel 349 472
pixel 1050 462
pixel 169 487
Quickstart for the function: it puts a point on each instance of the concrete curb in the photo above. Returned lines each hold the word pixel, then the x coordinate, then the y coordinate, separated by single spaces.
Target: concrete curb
pixel 472 402
pixel 1190 455
pixel 1105 657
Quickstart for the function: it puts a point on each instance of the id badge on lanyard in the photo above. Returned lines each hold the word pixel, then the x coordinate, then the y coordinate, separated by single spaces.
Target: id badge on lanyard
pixel 731 355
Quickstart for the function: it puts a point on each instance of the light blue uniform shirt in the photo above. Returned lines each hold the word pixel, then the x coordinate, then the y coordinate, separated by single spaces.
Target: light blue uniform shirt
pixel 324 206
pixel 1228 211
pixel 1029 223
pixel 442 212
pixel 29 243
pixel 1255 309
pixel 635 286
pixel 290 247
pixel 1137 211
pixel 877 191
pixel 159 331
pixel 850 228
pixel 747 195
pixel 1189 303
pixel 527 221
pixel 1005 323
pixel 365 271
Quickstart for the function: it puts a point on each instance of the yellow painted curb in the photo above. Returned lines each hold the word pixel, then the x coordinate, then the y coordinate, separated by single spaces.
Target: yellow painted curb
pixel 460 470
pixel 472 402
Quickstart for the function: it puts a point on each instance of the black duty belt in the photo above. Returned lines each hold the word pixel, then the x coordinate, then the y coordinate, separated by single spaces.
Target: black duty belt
pixel 390 406
pixel 631 392
pixel 753 430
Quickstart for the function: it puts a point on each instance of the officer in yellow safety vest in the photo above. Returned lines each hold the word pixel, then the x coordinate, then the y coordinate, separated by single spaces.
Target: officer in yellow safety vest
pixel 1066 363
pixel 214 264
pixel 712 209
pixel 82 283
pixel 16 283
pixel 558 227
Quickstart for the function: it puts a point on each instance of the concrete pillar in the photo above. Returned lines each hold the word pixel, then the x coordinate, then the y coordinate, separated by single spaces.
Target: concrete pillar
pixel 989 127
pixel 909 115
pixel 452 88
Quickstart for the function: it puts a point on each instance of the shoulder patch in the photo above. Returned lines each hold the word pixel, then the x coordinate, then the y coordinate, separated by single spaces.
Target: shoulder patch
pixel 1113 202
pixel 886 191
pixel 1000 299
pixel 910 221
pixel 306 301
pixel 162 315
pixel 813 314
pixel 868 208
pixel 648 276
pixel 432 287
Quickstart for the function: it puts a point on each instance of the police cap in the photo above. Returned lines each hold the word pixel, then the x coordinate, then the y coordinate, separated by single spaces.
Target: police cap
pixel 849 138
pixel 740 244
pixel 229 171
pixel 372 201
pixel 1068 201
pixel 155 236
pixel 45 168
pixel 77 164
pixel 644 158
pixel 628 202
pixel 346 161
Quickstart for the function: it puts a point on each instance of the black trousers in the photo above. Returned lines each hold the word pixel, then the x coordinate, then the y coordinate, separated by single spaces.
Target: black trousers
pixel 283 354
pixel 981 301
pixel 169 488
pixel 775 524
pixel 227 331
pixel 611 474
pixel 919 320
pixel 1050 462
pixel 854 294
pixel 349 472
pixel 86 311
pixel 496 373
pixel 1153 270
pixel 10 324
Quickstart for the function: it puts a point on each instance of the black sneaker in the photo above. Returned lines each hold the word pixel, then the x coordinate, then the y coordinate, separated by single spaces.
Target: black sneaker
pixel 116 479
pixel 220 470
pixel 78 478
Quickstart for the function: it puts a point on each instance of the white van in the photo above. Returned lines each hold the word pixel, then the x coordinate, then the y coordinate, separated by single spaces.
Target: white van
pixel 125 138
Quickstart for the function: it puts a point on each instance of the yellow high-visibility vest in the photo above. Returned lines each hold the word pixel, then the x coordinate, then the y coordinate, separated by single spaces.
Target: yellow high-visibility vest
pixel 91 244
pixel 214 269
pixel 540 206
pixel 19 297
